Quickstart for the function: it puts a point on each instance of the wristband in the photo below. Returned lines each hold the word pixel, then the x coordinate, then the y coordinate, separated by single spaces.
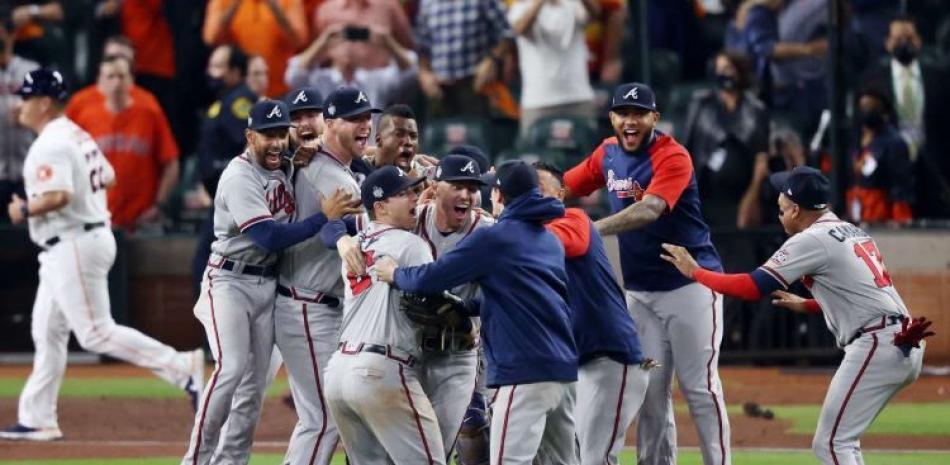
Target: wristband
pixel 25 210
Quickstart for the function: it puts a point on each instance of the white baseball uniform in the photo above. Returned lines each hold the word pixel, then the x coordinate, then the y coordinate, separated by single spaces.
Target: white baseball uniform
pixel 372 383
pixel 73 294
pixel 845 272
pixel 449 367
pixel 236 305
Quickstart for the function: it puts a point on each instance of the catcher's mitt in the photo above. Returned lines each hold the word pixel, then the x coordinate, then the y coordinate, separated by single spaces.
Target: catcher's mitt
pixel 442 310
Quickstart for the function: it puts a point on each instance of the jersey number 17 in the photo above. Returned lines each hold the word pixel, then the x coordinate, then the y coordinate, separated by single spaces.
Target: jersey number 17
pixel 868 252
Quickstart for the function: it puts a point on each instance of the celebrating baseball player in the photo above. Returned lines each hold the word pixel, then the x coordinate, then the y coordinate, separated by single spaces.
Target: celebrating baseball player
pixel 66 177
pixel 310 288
pixel 372 387
pixel 253 206
pixel 526 326
pixel 613 375
pixel 842 267
pixel 654 199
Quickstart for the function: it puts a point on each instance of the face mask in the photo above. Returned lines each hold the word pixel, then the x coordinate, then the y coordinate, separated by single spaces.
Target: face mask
pixel 905 53
pixel 216 85
pixel 872 119
pixel 727 82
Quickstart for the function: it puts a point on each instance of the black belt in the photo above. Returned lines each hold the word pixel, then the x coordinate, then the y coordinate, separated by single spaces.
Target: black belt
pixel 319 298
pixel 253 270
pixel 86 227
pixel 883 323
pixel 385 351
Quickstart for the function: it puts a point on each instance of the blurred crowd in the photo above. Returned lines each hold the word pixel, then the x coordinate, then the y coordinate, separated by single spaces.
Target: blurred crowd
pixel 165 87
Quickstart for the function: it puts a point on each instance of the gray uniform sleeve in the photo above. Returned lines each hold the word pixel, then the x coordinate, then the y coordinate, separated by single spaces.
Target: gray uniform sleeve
pixel 415 253
pixel 801 255
pixel 244 199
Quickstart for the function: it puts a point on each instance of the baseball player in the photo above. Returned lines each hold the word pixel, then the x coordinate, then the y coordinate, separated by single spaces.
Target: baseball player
pixel 843 269
pixel 372 386
pixel 526 327
pixel 253 205
pixel 613 375
pixel 310 288
pixel 449 357
pixel 66 177
pixel 654 199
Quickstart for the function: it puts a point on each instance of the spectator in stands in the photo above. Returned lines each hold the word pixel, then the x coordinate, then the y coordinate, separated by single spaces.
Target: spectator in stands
pixel 38 33
pixel 462 46
pixel 137 141
pixel 362 19
pixel 273 29
pixel 800 79
pixel 258 75
pixel 725 130
pixel 552 57
pixel 786 151
pixel 604 34
pixel 381 84
pixel 883 186
pixel 14 139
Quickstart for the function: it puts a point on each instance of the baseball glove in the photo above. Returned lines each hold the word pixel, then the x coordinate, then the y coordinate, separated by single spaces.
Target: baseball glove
pixel 911 333
pixel 441 310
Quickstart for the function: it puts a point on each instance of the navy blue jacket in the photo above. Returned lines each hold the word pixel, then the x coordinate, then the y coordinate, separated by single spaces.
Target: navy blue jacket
pixel 526 324
pixel 602 325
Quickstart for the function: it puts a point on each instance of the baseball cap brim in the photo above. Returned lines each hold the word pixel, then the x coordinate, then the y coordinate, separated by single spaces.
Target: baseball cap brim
pixel 489 179
pixel 266 126
pixel 357 112
pixel 308 106
pixel 472 179
pixel 634 105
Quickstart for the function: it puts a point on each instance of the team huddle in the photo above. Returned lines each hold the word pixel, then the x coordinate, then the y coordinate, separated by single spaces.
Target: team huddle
pixel 456 311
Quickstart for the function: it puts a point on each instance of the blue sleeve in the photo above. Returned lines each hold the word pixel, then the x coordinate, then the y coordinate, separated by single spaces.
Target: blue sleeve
pixel 464 264
pixel 765 282
pixel 274 237
pixel 336 229
pixel 762 33
pixel 472 306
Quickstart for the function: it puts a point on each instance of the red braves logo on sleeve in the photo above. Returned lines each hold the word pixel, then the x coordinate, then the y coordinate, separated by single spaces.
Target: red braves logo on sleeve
pixel 359 283
pixel 279 199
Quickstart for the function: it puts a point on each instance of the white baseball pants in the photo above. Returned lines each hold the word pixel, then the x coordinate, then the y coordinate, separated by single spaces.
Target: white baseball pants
pixel 609 395
pixel 533 421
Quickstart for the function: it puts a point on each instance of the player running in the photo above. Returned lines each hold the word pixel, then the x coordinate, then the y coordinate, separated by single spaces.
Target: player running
pixel 66 177
pixel 253 205
pixel 842 267
pixel 654 199
pixel 372 386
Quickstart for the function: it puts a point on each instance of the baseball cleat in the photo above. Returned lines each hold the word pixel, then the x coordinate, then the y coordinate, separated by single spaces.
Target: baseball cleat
pixel 19 432
pixel 196 381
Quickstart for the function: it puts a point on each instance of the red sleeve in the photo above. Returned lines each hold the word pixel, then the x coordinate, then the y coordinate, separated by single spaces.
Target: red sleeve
pixel 672 171
pixel 740 286
pixel 573 230
pixel 588 175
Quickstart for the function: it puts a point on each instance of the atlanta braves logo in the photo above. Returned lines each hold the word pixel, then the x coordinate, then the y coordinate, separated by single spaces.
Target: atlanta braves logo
pixel 301 97
pixel 361 98
pixel 469 167
pixel 274 112
pixel 279 199
pixel 632 94
pixel 625 188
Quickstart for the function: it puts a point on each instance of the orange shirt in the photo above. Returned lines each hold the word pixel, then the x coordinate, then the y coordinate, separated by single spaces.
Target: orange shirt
pixel 137 142
pixel 143 22
pixel 256 30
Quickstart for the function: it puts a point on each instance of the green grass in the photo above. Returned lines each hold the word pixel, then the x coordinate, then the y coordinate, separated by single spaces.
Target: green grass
pixel 686 458
pixel 127 388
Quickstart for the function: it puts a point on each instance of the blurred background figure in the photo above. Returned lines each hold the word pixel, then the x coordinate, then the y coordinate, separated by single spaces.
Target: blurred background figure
pixel 14 139
pixel 357 22
pixel 552 56
pixel 883 177
pixel 726 130
pixel 258 75
pixel 273 29
pixel 137 141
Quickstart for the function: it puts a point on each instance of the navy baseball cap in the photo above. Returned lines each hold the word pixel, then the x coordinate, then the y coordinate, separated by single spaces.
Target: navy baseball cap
pixel 268 114
pixel 385 183
pixel 43 82
pixel 634 94
pixel 458 168
pixel 513 178
pixel 474 153
pixel 805 186
pixel 304 98
pixel 347 102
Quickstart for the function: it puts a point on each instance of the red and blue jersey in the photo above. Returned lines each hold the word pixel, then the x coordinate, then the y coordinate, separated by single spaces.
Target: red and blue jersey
pixel 662 168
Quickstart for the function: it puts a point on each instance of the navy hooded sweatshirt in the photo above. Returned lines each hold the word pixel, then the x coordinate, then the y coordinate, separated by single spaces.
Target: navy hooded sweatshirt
pixel 602 325
pixel 519 265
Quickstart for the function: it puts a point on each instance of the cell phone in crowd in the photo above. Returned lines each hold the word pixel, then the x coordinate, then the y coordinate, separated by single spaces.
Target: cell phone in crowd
pixel 356 33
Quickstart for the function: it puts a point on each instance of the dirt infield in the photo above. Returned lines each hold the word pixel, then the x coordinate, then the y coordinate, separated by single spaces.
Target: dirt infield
pixel 108 427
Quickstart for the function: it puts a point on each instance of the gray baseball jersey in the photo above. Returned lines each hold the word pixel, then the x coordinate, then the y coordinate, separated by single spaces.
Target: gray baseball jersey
pixel 440 243
pixel 844 270
pixel 247 195
pixel 309 264
pixel 371 311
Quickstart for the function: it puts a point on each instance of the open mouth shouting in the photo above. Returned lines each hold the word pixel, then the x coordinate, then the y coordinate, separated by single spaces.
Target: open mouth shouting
pixel 631 138
pixel 461 209
pixel 273 157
